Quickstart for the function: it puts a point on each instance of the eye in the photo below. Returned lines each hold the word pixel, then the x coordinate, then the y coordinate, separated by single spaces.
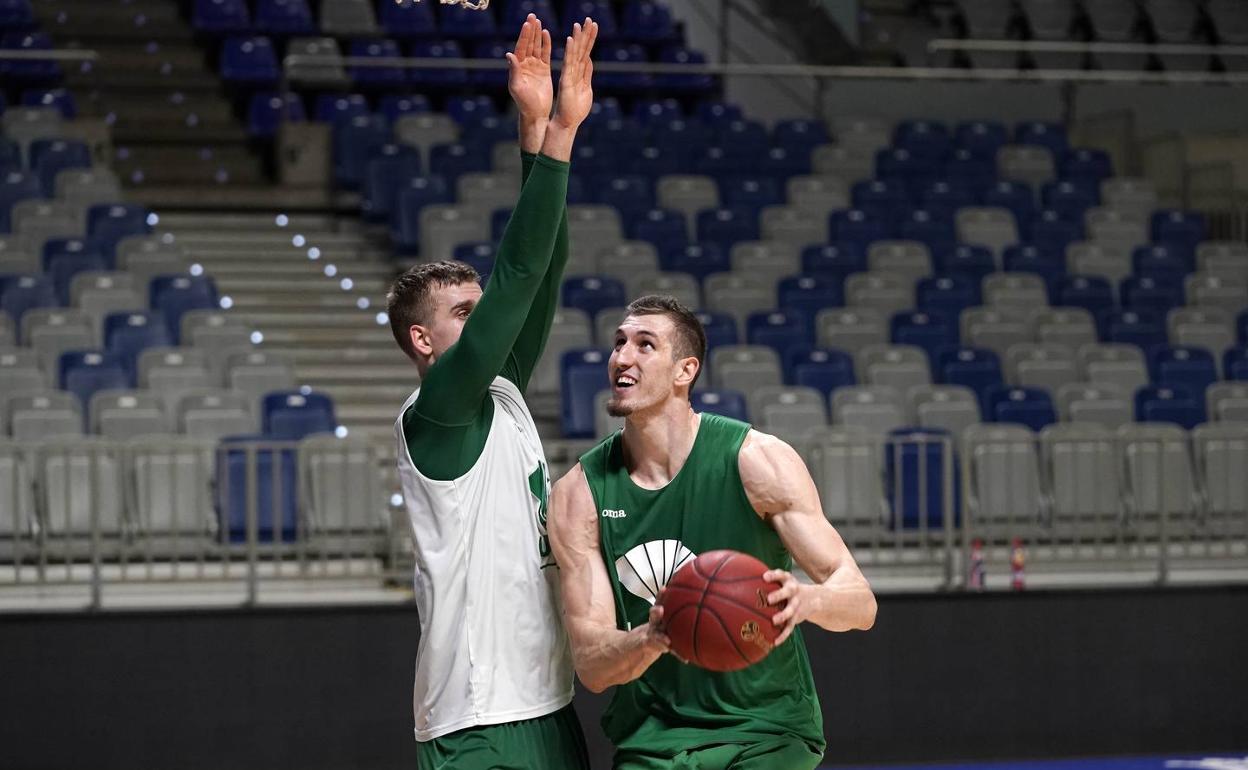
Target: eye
pixel 619 342
pixel 646 344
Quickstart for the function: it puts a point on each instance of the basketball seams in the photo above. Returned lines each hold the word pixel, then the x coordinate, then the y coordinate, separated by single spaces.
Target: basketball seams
pixel 727 633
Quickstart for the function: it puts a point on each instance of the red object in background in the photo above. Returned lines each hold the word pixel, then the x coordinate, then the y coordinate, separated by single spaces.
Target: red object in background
pixel 1018 561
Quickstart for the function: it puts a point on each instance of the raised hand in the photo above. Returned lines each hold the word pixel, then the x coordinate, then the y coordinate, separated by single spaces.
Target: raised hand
pixel 529 72
pixel 576 92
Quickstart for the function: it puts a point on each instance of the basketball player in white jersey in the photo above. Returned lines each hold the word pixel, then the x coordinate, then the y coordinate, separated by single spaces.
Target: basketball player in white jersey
pixel 493 671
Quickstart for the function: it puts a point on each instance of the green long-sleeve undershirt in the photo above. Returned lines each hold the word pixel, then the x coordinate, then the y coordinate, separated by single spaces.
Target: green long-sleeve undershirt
pixel 447 426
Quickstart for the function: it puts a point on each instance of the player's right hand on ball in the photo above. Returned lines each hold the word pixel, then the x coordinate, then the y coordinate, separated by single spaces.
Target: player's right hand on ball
pixel 655 636
pixel 576 92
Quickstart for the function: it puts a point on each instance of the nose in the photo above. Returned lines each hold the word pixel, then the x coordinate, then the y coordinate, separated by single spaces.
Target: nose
pixel 623 357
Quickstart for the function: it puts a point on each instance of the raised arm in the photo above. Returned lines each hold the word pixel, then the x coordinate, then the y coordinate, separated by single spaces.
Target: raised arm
pixel 603 654
pixel 782 492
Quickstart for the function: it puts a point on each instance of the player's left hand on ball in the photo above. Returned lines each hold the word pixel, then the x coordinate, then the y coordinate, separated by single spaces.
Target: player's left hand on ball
pixel 790 594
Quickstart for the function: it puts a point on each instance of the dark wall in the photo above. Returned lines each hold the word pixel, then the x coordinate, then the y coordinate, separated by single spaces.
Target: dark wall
pixel 940 677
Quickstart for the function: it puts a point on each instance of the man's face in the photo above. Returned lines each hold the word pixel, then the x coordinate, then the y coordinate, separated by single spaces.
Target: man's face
pixel 451 308
pixel 643 367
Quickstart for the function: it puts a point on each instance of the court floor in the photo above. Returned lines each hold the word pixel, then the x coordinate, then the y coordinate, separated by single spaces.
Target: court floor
pixel 1175 762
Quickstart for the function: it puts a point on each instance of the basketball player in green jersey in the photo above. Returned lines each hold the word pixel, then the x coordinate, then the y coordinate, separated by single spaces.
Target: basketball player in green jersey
pixel 671 485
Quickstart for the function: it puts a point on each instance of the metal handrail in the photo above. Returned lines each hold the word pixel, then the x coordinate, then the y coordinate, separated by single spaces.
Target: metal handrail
pixel 1062 46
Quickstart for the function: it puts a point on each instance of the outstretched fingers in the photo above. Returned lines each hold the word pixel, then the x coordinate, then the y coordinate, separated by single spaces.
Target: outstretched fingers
pixel 524 41
pixel 546 47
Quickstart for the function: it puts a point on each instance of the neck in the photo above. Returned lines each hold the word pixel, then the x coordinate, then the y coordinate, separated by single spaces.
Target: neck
pixel 657 442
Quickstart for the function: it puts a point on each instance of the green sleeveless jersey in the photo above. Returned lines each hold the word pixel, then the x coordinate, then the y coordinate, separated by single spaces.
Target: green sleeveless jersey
pixel 645 537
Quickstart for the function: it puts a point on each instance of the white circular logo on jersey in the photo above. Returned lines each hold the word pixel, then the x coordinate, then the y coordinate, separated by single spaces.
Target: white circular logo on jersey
pixel 646 568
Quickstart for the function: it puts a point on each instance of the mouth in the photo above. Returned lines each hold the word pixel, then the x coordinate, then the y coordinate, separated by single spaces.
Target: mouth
pixel 623 382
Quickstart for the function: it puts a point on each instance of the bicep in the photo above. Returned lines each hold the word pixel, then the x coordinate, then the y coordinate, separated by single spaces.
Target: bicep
pixel 583 578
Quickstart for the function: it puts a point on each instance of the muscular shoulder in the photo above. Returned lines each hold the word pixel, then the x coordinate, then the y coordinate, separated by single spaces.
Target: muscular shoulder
pixel 572 522
pixel 771 472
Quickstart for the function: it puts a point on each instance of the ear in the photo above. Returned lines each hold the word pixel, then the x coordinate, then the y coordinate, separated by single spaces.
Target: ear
pixel 687 370
pixel 421 341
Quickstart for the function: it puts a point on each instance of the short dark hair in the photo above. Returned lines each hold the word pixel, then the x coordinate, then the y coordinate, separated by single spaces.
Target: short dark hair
pixel 410 299
pixel 690 336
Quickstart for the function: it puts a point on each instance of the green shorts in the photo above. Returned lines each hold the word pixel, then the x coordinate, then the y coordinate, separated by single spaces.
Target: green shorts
pixel 777 754
pixel 551 742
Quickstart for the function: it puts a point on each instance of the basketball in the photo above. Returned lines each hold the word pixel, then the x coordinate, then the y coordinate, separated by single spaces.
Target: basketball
pixel 715 611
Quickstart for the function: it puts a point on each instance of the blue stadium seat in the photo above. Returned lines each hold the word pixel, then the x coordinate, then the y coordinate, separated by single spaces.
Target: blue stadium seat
pixel 377 77
pixel 1235 363
pixel 295 415
pixel 483 134
pixel 682 83
pixel 249 61
pixel 29 72
pixel 915 470
pixel 656 114
pixel 648 21
pixel 783 163
pixel 982 138
pixel 1150 294
pixel 10 151
pixel 48 157
pixel 933 332
pixel 605 108
pixel 977 369
pixel 946 197
pixel 1032 407
pixel 1048 135
pixel 284 17
pixel 452 160
pixel 727 226
pixel 490 50
pixel 458 22
pixel 923 139
pixel 625 137
pixel 819 368
pixel 583 372
pixel 1142 328
pixel 591 159
pixel 968 168
pixel 498 223
pixel 714 112
pixel 85 373
pixel 1070 198
pixel 750 192
pixel 60 99
pixel 406 20
pixel 437 78
pixel 1053 232
pixel 696 259
pixel 221 17
pixel 16 14
pixel 411 197
pixel 835 260
pixel 600 11
pixel 934 229
pixel 662 227
pixel 808 294
pixel 354 142
pixel 948 295
pixel 108 223
pixel 779 330
pixel 632 195
pixel 1086 164
pixel 800 134
pixel 1015 196
pixel 395 106
pixel 1241 328
pixel 1170 404
pixel 727 403
pixel 264 113
pixel 334 108
pixel 655 162
pixel 974 262
pixel 592 293
pixel 388 169
pixel 516 11
pixel 479 255
pixel 127 335
pixel 856 226
pixel 1029 258
pixel 720 328
pixel 1191 368
pixel 742 138
pixel 174 295
pixel 1090 292
pixel 621 53
pixel 912 171
pixel 1166 262
pixel 274 499
pixel 1183 229
pixel 883 198
pixel 19 293
pixel 63 258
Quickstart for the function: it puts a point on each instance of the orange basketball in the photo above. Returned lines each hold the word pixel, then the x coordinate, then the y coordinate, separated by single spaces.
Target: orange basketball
pixel 715 611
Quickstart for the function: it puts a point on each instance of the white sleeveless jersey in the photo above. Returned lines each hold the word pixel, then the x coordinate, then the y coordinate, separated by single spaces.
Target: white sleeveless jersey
pixel 492 644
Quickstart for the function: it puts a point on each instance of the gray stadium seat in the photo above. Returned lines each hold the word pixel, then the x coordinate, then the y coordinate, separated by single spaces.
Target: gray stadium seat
pixel 1109 260
pixel 1003 480
pixel 1125 228
pixel 87 187
pixel 126 414
pixel 214 330
pixel 851 329
pixel 19 371
pixel 348 18
pixel 570 329
pixel 46 414
pixel 1176 22
pixel 1216 291
pixel 79 483
pixel 884 292
pixel 1031 164
pixel 173 372
pixel 506 157
pixel 52 331
pixel 877 408
pixel 26 124
pixel 1070 326
pixel 766 262
pixel 952 408
pixel 425 130
pixel 17 257
pixel 844 462
pixel 991 227
pixel 1021 290
pixel 145 256
pixel 1114 364
pixel 328 72
pixel 900 367
pixel 99 294
pixel 1081 464
pixel 993 328
pixel 445 226
pixel 8 335
pixel 866 135
pixel 215 414
pixel 1202 327
pixel 818 194
pixel 1229 258
pixel 172 478
pixel 792 225
pixel 909 259
pixel 1227 401
pixel 606 322
pixel 738 295
pixel 594 227
pixel 17 509
pixel 1115 21
pixel 341 486
pixel 488 191
pixel 1221 452
pixel 1158 474
pixel 629 262
pixel 1038 365
pixel 1230 19
pixel 1052 20
pixel 849 162
pixel 605 424
pixel 1102 404
pixel 1129 194
pixel 787 412
pixel 256 373
pixel 744 368
pixel 682 286
pixel 688 194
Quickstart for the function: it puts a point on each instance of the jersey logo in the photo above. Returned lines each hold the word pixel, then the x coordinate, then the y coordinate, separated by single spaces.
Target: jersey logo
pixel 539 487
pixel 646 568
pixel 607 513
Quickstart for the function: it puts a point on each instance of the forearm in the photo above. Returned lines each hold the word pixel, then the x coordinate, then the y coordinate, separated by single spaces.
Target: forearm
pixel 558 141
pixel 605 657
pixel 532 133
pixel 843 602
